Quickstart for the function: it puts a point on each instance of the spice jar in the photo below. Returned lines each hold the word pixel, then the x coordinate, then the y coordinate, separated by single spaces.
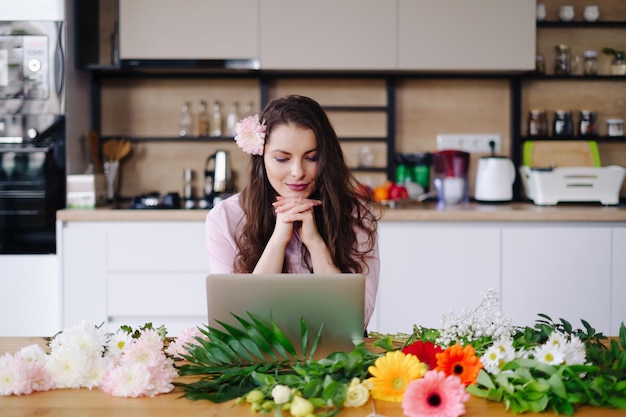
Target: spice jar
pixel 587 123
pixel 590 62
pixel 563 124
pixel 615 127
pixel 537 123
pixel 562 60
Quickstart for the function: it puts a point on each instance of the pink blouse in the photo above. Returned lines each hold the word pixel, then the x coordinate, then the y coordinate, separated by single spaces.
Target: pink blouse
pixel 226 220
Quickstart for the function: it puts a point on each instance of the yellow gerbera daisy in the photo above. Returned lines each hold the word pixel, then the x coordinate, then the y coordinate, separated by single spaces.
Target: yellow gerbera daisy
pixel 392 373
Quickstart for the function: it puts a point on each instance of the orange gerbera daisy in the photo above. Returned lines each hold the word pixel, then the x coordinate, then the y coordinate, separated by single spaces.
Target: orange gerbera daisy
pixel 392 373
pixel 460 361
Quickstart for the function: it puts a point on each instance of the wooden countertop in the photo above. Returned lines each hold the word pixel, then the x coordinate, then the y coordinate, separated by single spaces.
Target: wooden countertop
pixel 95 403
pixel 419 212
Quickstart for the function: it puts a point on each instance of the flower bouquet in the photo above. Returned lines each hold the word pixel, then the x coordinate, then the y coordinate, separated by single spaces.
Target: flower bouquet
pixel 550 366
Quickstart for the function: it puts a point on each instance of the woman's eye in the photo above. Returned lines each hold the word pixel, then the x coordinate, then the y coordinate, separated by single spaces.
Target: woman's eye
pixel 281 160
pixel 312 158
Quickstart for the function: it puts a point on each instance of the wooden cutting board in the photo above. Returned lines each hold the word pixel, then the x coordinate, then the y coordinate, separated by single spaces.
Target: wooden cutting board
pixel 561 153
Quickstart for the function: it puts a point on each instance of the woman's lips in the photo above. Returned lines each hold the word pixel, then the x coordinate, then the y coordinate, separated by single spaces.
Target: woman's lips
pixel 297 187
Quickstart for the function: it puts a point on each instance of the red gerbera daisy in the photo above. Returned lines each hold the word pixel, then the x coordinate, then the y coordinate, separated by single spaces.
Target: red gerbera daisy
pixel 460 361
pixel 425 352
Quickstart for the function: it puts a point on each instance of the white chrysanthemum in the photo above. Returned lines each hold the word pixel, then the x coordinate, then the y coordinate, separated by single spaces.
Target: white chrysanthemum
pixel 68 368
pixel 84 337
pixel 98 367
pixel 575 353
pixel 118 342
pixel 33 354
pixel 550 354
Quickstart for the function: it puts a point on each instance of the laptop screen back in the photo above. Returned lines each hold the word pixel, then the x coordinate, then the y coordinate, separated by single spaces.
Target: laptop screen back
pixel 335 301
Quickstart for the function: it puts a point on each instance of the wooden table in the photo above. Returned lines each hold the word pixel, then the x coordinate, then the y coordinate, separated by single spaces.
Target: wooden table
pixel 95 403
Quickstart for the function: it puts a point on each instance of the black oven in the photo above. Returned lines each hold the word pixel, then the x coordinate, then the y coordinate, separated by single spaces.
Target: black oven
pixel 32 135
pixel 32 189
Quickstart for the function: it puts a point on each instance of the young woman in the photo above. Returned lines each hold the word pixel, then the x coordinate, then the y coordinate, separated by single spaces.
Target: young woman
pixel 300 211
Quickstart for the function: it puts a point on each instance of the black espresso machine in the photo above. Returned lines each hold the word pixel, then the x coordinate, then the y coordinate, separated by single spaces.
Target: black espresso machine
pixel 32 135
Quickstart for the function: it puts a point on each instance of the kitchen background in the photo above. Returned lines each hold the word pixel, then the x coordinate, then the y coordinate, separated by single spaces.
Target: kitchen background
pixel 425 105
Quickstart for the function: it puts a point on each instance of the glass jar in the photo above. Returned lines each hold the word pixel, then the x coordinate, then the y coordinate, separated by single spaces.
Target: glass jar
pixel 587 123
pixel 562 60
pixel 563 124
pixel 615 127
pixel 590 62
pixel 537 123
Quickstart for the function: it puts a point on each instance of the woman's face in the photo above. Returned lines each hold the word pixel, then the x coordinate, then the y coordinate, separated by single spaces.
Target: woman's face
pixel 291 160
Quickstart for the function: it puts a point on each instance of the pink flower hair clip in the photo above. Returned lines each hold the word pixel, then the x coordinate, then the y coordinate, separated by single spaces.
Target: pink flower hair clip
pixel 250 135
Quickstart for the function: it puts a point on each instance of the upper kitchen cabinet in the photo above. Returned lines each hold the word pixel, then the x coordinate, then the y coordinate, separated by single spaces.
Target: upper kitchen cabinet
pixel 461 35
pixel 188 30
pixel 328 35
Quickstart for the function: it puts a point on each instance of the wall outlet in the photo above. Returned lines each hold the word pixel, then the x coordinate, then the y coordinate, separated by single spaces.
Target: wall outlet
pixel 472 143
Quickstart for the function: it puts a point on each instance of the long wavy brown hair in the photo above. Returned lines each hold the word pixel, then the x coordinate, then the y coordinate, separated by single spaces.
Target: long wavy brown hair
pixel 343 209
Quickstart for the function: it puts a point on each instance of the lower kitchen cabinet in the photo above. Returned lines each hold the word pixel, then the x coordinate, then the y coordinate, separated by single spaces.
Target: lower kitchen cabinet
pixel 618 281
pixel 431 268
pixel 30 298
pixel 562 270
pixel 153 271
pixel 134 272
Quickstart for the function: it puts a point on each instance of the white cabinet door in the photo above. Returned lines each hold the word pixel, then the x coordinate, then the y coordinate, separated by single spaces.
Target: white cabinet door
pixel 481 35
pixel 618 281
pixel 29 295
pixel 562 270
pixel 328 34
pixel 188 29
pixel 431 268
pixel 82 253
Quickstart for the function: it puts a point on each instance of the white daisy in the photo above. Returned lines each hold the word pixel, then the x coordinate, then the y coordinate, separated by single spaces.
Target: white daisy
pixel 550 354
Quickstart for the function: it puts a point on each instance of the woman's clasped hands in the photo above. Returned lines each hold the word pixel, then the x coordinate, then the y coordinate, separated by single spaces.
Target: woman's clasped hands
pixel 296 213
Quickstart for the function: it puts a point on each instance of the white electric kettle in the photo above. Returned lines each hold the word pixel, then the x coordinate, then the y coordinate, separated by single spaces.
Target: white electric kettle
pixel 494 179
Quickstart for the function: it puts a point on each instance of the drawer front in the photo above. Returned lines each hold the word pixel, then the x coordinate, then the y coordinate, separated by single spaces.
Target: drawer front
pixel 156 294
pixel 157 246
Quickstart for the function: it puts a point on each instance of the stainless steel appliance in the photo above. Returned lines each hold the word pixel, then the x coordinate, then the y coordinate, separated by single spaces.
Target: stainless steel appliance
pixel 218 177
pixel 32 134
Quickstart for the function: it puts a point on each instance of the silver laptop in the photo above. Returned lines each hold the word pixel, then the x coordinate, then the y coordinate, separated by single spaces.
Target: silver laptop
pixel 334 300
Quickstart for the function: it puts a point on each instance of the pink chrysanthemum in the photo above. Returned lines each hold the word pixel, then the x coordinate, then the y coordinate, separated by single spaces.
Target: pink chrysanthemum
pixel 250 135
pixel 435 395
pixel 187 338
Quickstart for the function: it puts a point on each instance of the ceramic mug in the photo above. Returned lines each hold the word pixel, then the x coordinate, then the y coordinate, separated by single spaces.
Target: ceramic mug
pixel 566 13
pixel 591 13
pixel 541 12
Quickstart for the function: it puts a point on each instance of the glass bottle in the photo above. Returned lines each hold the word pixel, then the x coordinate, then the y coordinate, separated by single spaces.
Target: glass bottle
pixel 562 60
pixel 248 110
pixel 563 124
pixel 590 62
pixel 232 118
pixel 537 123
pixel 203 119
pixel 216 120
pixel 587 123
pixel 184 122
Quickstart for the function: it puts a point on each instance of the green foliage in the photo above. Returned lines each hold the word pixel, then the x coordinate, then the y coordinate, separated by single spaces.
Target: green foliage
pixel 617 54
pixel 526 385
pixel 135 333
pixel 235 360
